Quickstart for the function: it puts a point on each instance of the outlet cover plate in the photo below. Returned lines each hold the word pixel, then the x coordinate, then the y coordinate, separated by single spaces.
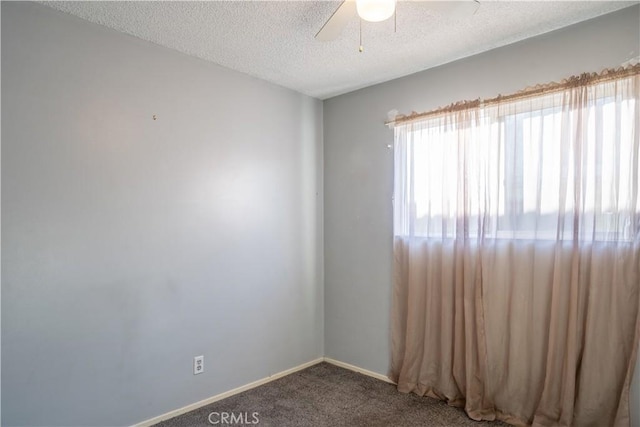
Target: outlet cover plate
pixel 198 365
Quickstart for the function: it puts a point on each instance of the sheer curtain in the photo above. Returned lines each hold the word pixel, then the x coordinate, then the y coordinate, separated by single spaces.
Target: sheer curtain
pixel 517 255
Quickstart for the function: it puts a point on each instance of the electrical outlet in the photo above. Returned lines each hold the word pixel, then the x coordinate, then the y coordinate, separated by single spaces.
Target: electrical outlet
pixel 198 365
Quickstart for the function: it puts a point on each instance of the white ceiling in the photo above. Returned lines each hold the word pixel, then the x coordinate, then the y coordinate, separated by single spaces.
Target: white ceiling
pixel 274 40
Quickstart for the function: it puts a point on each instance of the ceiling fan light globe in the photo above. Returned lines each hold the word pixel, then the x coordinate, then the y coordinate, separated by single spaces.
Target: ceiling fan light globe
pixel 375 10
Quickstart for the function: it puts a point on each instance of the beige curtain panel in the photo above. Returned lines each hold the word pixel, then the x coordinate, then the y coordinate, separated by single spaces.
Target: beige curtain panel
pixel 517 253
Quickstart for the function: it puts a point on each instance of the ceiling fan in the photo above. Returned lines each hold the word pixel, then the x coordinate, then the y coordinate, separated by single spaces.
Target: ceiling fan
pixel 380 10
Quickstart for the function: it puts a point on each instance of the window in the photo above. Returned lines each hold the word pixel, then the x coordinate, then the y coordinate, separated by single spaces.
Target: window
pixel 516 251
pixel 556 166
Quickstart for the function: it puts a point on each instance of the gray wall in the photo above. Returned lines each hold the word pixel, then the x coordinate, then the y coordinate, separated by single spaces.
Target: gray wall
pixel 131 245
pixel 359 168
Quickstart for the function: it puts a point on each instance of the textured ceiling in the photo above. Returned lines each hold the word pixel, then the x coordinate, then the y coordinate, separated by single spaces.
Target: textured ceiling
pixel 275 41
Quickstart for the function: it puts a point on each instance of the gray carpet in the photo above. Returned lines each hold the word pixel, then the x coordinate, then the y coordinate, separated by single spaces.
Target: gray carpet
pixel 325 395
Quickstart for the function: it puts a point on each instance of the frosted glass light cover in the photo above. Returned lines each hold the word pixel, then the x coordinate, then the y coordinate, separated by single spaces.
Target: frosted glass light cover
pixel 375 10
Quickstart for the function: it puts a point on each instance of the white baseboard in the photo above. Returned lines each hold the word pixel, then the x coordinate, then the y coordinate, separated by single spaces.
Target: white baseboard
pixel 359 370
pixel 200 404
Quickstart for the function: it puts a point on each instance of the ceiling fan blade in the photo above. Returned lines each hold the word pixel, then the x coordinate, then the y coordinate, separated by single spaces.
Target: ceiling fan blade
pixel 334 26
pixel 455 9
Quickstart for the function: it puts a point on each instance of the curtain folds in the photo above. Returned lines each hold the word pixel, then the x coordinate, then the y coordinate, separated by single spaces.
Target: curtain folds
pixel 517 256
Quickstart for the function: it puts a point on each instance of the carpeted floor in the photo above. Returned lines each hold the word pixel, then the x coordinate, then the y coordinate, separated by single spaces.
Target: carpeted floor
pixel 325 395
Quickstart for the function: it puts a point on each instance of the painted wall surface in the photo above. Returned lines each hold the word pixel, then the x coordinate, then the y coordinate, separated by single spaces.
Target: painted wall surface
pixel 131 245
pixel 359 167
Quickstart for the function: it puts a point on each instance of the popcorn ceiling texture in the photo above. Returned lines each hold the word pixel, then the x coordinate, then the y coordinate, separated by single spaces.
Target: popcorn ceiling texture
pixel 274 40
